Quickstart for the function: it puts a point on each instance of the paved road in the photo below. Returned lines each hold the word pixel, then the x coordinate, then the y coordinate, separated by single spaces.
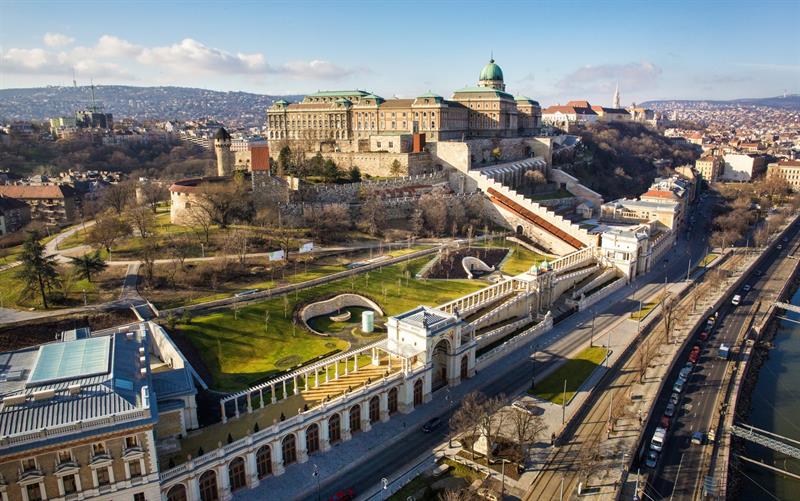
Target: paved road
pixel 513 374
pixel 680 471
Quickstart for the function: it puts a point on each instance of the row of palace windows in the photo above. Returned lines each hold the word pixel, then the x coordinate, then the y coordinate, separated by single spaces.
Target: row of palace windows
pixel 209 488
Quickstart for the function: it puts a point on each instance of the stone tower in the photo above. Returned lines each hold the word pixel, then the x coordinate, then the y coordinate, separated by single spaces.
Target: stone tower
pixel 615 103
pixel 222 146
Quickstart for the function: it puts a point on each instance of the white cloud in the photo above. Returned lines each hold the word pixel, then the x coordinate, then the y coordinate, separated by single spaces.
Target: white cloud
pixel 112 57
pixel 57 39
pixel 316 70
pixel 603 78
pixel 191 55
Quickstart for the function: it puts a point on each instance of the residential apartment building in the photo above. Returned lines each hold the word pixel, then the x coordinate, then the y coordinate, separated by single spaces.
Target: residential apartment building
pixel 743 167
pixel 788 170
pixel 710 167
pixel 52 204
pixel 14 215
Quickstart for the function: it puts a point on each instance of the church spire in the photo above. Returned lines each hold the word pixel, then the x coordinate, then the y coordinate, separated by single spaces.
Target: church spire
pixel 615 104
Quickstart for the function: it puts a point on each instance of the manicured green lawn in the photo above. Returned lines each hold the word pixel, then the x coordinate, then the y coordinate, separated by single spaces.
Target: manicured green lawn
pixel 12 287
pixel 521 260
pixel 574 371
pixel 706 260
pixel 239 350
pixel 646 309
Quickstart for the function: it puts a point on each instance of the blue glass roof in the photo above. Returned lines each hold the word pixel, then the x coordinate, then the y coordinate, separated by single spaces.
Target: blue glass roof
pixel 71 360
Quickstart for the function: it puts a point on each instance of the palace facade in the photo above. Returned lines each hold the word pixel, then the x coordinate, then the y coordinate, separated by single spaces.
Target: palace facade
pixel 345 118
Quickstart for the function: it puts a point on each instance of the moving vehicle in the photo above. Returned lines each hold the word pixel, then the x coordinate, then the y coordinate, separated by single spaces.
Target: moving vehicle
pixel 746 288
pixel 737 299
pixel 703 335
pixel 345 495
pixel 659 437
pixel 724 351
pixel 697 438
pixel 780 246
pixel 431 425
pixel 652 459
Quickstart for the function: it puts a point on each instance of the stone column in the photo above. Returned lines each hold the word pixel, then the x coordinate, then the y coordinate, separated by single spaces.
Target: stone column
pixel 249 403
pixel 224 482
pixel 316 378
pixel 336 371
pixel 355 362
pixel 384 400
pixel 295 386
pixel 276 451
pixel 261 398
pixel 236 405
pixel 344 417
pixel 194 488
pixel 324 436
pixel 252 470
pixel 302 449
pixel 284 388
pixel 365 424
pixel 222 410
pixel 272 396
pixel 308 375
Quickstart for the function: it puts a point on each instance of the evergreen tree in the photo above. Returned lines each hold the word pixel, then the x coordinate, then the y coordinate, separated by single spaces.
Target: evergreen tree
pixel 88 264
pixel 37 271
pixel 284 161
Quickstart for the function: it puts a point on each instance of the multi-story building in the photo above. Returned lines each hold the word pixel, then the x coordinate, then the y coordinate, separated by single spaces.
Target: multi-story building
pixel 80 416
pixel 611 114
pixel 710 167
pixel 627 210
pixel 53 204
pixel 14 215
pixel 343 118
pixel 788 170
pixel 743 167
pixel 565 116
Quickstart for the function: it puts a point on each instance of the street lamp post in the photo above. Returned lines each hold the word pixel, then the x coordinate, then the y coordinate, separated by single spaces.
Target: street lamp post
pixel 385 484
pixel 315 474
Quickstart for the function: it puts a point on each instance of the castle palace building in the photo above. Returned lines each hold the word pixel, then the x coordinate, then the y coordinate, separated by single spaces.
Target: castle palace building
pixel 347 117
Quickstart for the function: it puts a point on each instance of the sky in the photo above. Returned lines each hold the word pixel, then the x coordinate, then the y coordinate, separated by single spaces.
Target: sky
pixel 551 51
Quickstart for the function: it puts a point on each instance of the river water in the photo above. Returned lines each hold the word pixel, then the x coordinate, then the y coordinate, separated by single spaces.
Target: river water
pixel 776 408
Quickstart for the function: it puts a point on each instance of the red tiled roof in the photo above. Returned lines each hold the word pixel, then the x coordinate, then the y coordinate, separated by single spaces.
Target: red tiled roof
pixel 48 191
pixel 579 104
pixel 658 194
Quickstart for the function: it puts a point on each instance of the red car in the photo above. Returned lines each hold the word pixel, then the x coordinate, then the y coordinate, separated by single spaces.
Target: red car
pixel 345 495
pixel 703 335
pixel 664 423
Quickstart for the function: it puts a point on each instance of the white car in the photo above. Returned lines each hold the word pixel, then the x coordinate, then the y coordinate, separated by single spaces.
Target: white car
pixel 523 406
pixel 678 386
pixel 737 299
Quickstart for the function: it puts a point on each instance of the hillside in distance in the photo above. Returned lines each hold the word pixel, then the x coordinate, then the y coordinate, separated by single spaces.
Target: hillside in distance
pixel 790 101
pixel 141 103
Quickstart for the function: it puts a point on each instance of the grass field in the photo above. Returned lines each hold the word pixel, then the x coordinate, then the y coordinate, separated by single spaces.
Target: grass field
pixel 706 260
pixel 521 260
pixel 239 348
pixel 646 309
pixel 574 371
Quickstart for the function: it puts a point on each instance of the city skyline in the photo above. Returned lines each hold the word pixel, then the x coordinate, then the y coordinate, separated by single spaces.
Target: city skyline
pixel 550 52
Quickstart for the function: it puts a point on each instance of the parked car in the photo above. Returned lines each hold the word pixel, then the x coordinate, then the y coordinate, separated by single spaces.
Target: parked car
pixel 689 365
pixel 670 410
pixel 684 374
pixel 659 437
pixel 431 425
pixel 703 336
pixel 674 398
pixel 737 299
pixel 664 422
pixel 746 288
pixel 652 459
pixel 523 406
pixel 678 386
pixel 698 438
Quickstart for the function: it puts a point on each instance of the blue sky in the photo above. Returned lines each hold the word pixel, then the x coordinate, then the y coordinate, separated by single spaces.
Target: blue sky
pixel 550 51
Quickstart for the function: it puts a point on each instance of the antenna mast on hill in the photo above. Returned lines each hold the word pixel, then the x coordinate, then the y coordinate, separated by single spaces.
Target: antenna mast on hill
pixel 74 82
pixel 94 106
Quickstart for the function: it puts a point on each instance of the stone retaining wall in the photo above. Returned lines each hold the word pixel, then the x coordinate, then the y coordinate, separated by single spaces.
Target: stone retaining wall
pixel 333 304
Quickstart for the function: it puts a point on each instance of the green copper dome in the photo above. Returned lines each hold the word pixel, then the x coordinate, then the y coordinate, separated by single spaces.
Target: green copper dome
pixel 491 72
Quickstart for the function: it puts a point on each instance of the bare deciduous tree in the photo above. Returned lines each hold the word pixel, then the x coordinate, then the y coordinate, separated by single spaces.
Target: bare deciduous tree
pixel 465 420
pixel 118 196
pixel 142 220
pixel 107 229
pixel 373 216
pixel 527 428
pixel 153 193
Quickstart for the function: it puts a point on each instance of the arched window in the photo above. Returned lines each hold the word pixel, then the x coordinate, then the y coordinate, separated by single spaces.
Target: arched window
pixel 177 493
pixel 236 474
pixel 392 401
pixel 264 461
pixel 208 486
pixel 374 409
pixel 418 392
pixel 335 428
pixel 355 418
pixel 289 449
pixel 312 438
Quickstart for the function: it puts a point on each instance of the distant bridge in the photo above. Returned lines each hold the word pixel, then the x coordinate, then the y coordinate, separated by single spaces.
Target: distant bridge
pixel 767 439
